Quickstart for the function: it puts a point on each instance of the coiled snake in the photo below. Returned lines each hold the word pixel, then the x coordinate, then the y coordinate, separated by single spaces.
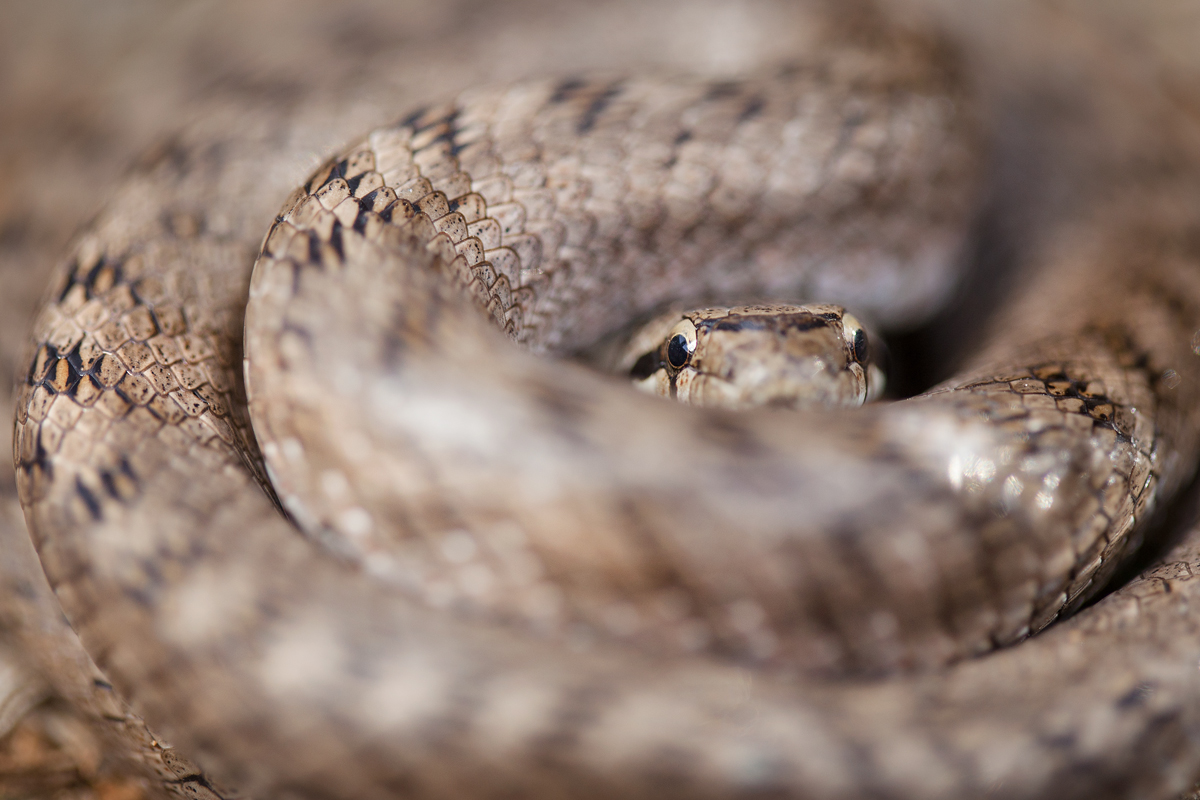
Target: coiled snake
pixel 528 580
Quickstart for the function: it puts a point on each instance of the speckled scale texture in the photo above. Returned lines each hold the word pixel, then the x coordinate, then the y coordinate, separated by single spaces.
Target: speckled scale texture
pixel 543 584
pixel 548 195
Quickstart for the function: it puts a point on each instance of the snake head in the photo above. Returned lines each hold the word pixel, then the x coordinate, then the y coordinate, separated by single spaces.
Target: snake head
pixel 744 357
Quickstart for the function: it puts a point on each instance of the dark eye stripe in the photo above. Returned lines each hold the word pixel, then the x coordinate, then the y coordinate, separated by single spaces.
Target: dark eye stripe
pixel 645 366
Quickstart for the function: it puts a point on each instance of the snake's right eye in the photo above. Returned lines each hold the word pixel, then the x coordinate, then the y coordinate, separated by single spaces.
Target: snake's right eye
pixel 681 344
pixel 677 352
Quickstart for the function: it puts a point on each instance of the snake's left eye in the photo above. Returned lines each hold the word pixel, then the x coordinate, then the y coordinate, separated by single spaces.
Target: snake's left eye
pixel 856 336
pixel 681 343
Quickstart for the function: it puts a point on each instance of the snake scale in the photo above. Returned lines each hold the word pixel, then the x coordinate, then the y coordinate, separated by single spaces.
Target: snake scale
pixel 524 579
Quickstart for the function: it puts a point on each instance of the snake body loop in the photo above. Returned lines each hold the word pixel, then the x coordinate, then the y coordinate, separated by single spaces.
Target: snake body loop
pixel 542 583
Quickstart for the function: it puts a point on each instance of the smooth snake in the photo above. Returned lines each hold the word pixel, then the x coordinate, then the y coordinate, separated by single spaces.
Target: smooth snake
pixel 546 470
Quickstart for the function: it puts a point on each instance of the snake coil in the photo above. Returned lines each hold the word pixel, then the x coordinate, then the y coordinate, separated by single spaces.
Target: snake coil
pixel 521 577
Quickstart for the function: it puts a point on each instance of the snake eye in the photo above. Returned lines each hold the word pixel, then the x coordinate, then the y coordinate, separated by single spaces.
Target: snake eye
pixel 853 330
pixel 681 344
pixel 677 352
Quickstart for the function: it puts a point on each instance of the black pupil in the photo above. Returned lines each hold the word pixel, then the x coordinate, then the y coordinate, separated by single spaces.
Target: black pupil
pixel 860 346
pixel 677 351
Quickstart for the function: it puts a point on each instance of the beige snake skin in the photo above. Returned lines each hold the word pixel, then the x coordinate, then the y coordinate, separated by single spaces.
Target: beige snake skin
pixel 579 591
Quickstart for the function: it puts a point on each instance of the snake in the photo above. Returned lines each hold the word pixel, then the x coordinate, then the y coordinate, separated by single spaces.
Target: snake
pixel 519 577
pixel 743 357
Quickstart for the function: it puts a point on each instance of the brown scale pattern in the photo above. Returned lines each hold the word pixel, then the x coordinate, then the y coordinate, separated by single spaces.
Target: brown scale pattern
pixel 109 347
